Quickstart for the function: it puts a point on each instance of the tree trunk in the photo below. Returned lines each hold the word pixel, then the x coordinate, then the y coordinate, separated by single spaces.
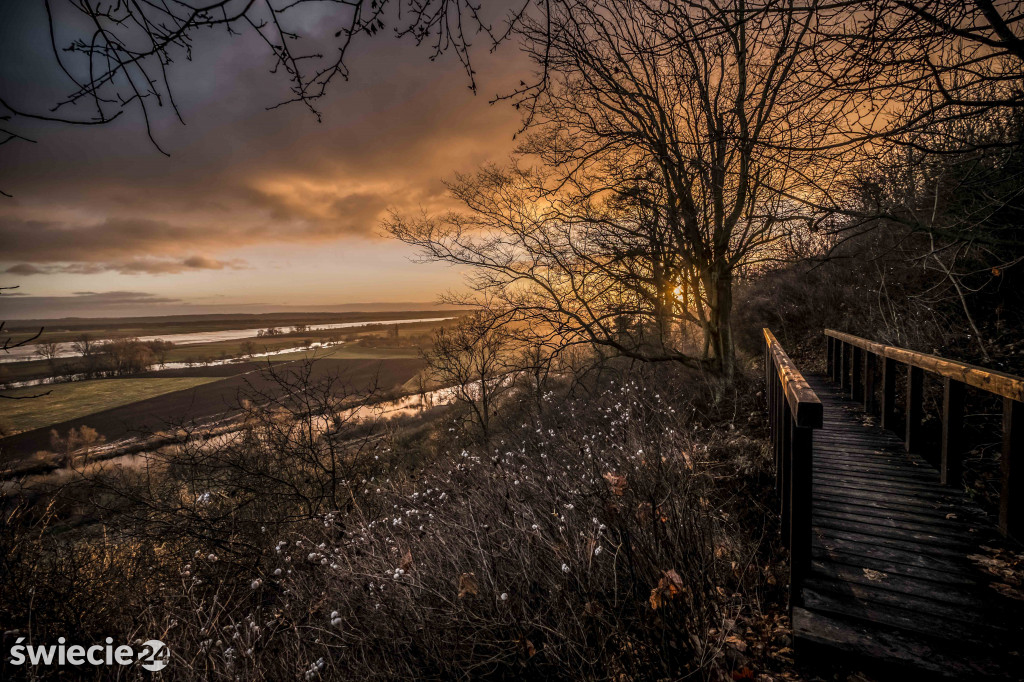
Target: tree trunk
pixel 664 308
pixel 719 331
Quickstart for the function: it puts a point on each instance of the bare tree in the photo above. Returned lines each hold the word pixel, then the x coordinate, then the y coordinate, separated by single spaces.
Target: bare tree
pixel 474 360
pixel 84 345
pixel 247 348
pixel 48 351
pixel 676 142
pixel 7 344
pixel 913 65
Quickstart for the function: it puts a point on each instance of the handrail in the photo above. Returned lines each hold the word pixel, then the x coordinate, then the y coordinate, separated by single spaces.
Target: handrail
pixel 993 381
pixel 803 401
pixel 853 363
pixel 794 411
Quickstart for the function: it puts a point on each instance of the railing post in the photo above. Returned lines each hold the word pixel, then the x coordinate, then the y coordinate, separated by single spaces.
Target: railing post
pixel 830 354
pixel 787 469
pixel 951 463
pixel 915 404
pixel 857 375
pixel 777 431
pixel 844 376
pixel 870 363
pixel 888 408
pixel 1011 502
pixel 802 443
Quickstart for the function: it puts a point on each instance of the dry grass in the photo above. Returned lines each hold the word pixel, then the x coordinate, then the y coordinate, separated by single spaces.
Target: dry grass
pixel 614 535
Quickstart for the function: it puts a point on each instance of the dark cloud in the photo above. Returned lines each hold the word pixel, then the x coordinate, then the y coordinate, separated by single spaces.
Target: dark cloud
pixel 239 174
pixel 111 303
pixel 118 297
pixel 101 201
pixel 25 269
pixel 207 263
pixel 151 266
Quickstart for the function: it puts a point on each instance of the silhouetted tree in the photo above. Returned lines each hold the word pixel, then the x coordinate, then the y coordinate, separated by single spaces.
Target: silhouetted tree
pixel 676 142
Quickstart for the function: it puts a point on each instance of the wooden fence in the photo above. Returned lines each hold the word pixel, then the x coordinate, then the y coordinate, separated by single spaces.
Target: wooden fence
pixel 794 411
pixel 858 365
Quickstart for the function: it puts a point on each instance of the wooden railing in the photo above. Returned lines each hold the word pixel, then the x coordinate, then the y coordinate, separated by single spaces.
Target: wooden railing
pixel 857 365
pixel 794 411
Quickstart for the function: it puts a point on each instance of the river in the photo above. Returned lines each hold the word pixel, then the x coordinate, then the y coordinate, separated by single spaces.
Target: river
pixel 65 350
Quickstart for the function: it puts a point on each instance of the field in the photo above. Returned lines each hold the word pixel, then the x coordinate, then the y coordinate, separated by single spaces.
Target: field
pixel 200 353
pixel 361 343
pixel 70 329
pixel 194 394
pixel 81 398
pixel 120 408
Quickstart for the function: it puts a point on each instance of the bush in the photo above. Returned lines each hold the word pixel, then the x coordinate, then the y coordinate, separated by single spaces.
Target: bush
pixel 615 534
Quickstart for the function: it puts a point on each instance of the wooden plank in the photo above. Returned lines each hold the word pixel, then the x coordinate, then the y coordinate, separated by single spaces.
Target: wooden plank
pixel 854 506
pixel 873 462
pixel 867 557
pixel 847 437
pixel 909 555
pixel 883 533
pixel 880 456
pixel 889 650
pixel 887 502
pixel 838 475
pixel 892 607
pixel 895 474
pixel 884 480
pixel 967 596
pixel 930 528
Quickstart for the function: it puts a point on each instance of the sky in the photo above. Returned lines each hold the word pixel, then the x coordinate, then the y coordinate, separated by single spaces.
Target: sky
pixel 253 209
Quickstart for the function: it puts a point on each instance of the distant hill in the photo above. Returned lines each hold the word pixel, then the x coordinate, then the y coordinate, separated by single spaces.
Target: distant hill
pixel 276 316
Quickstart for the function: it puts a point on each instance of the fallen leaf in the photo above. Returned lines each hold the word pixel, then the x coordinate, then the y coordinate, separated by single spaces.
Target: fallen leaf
pixel 736 643
pixel 617 483
pixel 406 563
pixel 467 585
pixel 874 575
pixel 527 648
pixel 669 586
pixel 1008 591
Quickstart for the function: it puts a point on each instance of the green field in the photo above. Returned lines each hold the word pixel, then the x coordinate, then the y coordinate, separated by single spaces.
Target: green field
pixel 81 398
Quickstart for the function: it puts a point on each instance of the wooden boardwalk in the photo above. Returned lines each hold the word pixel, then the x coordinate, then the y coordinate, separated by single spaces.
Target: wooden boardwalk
pixel 888 555
pixel 891 576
